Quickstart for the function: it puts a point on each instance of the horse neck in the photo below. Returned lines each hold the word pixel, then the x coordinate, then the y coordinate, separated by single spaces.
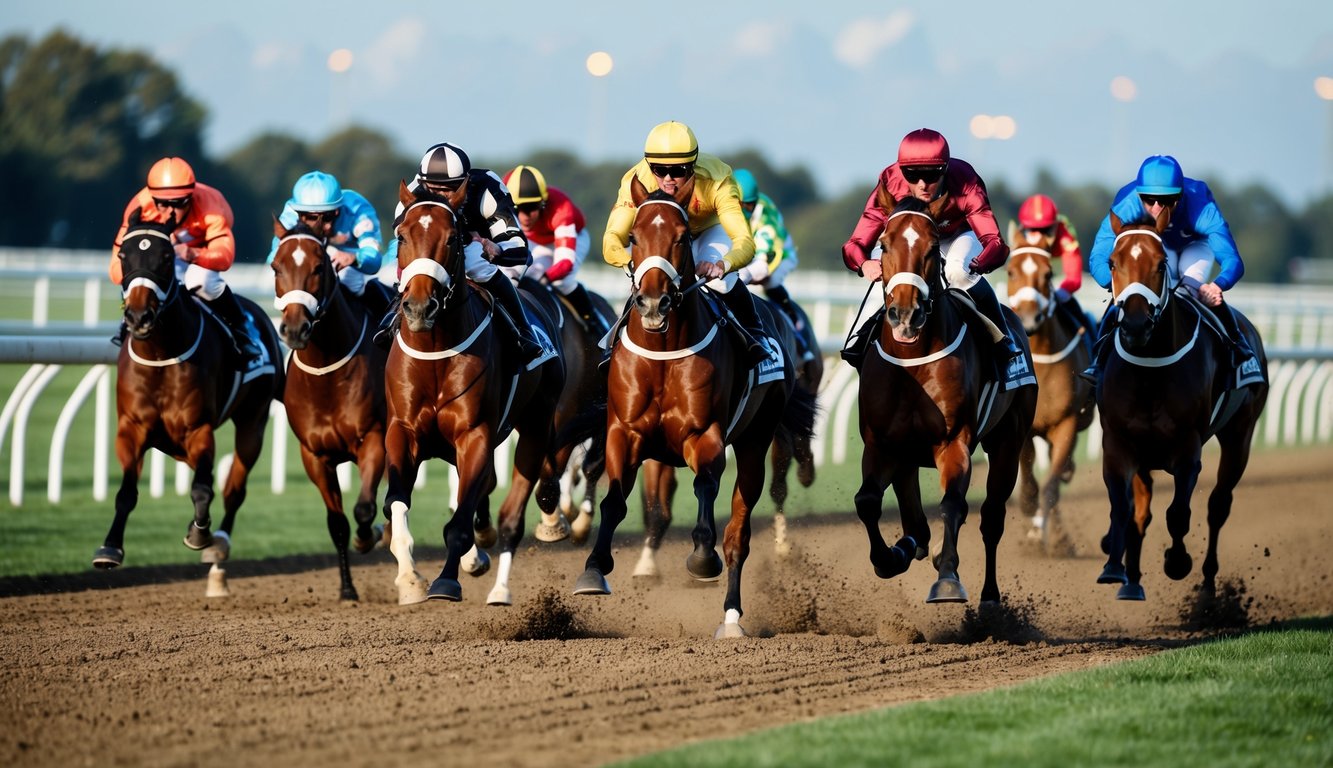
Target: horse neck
pixel 1052 335
pixel 177 327
pixel 340 328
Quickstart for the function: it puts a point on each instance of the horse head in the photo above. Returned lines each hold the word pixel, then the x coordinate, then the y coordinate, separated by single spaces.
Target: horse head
pixel 912 265
pixel 430 253
pixel 1140 284
pixel 1031 284
pixel 148 272
pixel 304 280
pixel 661 255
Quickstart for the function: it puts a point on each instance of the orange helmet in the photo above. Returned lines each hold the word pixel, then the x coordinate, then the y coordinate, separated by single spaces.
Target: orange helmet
pixel 1037 212
pixel 171 177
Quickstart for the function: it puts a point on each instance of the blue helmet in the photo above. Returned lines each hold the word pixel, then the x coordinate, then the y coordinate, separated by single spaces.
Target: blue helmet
pixel 1160 175
pixel 749 187
pixel 316 191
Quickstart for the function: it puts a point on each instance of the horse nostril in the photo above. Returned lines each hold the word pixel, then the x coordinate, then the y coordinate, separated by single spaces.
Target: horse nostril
pixel 893 315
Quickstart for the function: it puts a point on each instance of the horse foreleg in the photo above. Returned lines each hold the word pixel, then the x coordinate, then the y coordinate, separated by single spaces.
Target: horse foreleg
pixel 402 474
pixel 529 468
pixel 707 456
pixel 1134 536
pixel 475 462
pixel 659 485
pixel 1235 443
pixel 777 490
pixel 736 537
pixel 554 526
pixel 130 448
pixel 954 462
pixel 1177 561
pixel 1028 496
pixel 325 477
pixel 622 463
pixel 1116 474
pixel 869 500
pixel 370 464
pixel 200 453
pixel 1000 478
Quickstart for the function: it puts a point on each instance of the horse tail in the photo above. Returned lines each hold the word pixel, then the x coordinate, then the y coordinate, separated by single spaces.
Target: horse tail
pixel 798 418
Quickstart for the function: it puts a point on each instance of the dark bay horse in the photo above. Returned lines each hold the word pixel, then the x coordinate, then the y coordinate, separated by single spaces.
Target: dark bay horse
pixel 679 393
pixel 926 400
pixel 335 385
pixel 659 480
pixel 176 383
pixel 455 390
pixel 1065 399
pixel 1166 388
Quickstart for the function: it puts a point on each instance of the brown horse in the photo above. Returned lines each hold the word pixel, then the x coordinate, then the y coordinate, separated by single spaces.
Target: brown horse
pixel 679 393
pixel 335 385
pixel 455 391
pixel 926 401
pixel 176 384
pixel 659 480
pixel 1166 388
pixel 1064 406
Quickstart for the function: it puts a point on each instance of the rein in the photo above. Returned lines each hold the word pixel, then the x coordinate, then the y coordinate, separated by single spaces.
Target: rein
pixel 675 278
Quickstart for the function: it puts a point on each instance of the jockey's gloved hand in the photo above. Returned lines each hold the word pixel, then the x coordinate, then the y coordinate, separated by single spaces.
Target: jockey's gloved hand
pixel 557 271
pixel 1061 295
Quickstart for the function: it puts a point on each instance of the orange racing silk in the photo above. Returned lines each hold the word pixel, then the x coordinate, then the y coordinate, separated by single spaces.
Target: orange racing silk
pixel 206 229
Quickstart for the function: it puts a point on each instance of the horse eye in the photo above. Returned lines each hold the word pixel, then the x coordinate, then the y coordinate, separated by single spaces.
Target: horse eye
pixel 631 240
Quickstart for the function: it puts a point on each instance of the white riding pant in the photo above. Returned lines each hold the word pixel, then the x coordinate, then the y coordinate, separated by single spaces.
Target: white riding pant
pixel 475 263
pixel 543 256
pixel 1193 266
pixel 757 270
pixel 353 280
pixel 205 283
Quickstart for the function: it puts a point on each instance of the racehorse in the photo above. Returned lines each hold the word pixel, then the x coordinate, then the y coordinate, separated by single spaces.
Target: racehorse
pixel 335 385
pixel 659 480
pixel 1165 390
pixel 584 398
pixel 679 393
pixel 455 391
pixel 176 383
pixel 1060 351
pixel 927 400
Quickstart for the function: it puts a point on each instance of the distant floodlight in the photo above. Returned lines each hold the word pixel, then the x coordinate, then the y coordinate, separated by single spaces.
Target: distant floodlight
pixel 1123 89
pixel 1324 87
pixel 599 64
pixel 340 60
pixel 982 126
pixel 1004 127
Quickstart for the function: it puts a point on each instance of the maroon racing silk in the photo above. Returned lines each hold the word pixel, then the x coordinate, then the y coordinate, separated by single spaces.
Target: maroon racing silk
pixel 968 208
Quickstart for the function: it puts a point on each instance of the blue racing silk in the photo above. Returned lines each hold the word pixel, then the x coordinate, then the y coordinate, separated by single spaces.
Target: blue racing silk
pixel 1196 218
pixel 355 231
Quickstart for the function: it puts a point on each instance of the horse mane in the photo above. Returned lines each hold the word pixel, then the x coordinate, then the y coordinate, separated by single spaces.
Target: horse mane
pixel 913 204
pixel 302 228
pixel 658 194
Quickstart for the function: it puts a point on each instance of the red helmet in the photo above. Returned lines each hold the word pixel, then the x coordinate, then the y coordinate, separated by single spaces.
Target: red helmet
pixel 1037 212
pixel 923 147
pixel 171 177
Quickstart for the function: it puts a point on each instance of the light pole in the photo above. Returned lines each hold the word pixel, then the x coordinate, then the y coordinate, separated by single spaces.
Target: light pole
pixel 339 62
pixel 1124 91
pixel 1323 87
pixel 599 65
pixel 993 127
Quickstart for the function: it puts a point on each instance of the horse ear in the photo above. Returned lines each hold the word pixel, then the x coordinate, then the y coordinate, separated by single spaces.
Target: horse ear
pixel 685 192
pixel 1116 224
pixel 937 206
pixel 1013 233
pixel 455 199
pixel 1163 218
pixel 884 200
pixel 405 195
pixel 279 231
pixel 136 217
pixel 637 191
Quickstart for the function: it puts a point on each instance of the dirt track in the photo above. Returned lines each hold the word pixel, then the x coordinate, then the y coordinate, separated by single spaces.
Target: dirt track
pixel 282 674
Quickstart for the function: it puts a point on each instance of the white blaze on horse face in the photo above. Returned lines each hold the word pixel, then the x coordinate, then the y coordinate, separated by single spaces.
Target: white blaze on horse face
pixel 298 256
pixel 1029 267
pixel 1136 251
pixel 911 236
pixel 425 222
pixel 658 221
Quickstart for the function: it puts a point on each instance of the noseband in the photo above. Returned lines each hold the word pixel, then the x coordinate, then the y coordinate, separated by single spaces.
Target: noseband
pixel 1157 300
pixel 1028 293
pixel 147 278
pixel 427 265
pixel 912 278
pixel 649 263
pixel 316 306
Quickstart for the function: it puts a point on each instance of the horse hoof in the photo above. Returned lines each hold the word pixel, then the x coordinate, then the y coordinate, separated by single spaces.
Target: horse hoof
pixel 581 527
pixel 349 595
pixel 592 582
pixel 108 557
pixel 412 591
pixel 556 530
pixel 486 537
pixel 947 590
pixel 1179 566
pixel 197 538
pixel 217 583
pixel 500 596
pixel 445 589
pixel 1113 573
pixel 475 563
pixel 729 629
pixel 706 567
pixel 647 565
pixel 218 551
pixel 365 546
pixel 1130 592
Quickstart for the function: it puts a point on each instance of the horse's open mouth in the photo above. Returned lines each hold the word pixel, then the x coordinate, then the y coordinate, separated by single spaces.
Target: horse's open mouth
pixel 661 326
pixel 906 337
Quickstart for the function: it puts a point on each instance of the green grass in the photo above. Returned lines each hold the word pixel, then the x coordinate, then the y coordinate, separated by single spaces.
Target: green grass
pixel 1258 700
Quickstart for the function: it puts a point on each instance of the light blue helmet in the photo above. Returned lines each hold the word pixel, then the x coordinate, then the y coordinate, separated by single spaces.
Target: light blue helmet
pixel 1160 175
pixel 749 187
pixel 316 191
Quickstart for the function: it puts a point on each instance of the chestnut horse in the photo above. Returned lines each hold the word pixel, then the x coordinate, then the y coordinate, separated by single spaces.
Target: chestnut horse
pixel 176 384
pixel 1060 350
pixel 926 400
pixel 679 393
pixel 455 391
pixel 335 385
pixel 1166 388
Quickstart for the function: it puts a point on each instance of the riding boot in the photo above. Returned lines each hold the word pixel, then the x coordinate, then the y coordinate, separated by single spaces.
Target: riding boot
pixel 854 351
pixel 741 304
pixel 1101 346
pixel 604 364
pixel 1070 306
pixel 511 314
pixel 591 317
pixel 376 297
pixel 388 323
pixel 778 295
pixel 229 309
pixel 1236 341
pixel 984 296
pixel 119 337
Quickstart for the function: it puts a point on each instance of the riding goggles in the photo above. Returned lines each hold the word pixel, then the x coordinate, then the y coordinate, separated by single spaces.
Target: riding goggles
pixel 1162 200
pixel 175 202
pixel 681 171
pixel 927 173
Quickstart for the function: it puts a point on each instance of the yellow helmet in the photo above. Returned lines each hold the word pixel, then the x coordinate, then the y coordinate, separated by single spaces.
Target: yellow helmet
pixel 526 185
pixel 671 142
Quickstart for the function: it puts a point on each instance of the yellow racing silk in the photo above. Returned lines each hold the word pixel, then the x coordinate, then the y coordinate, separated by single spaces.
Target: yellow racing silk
pixel 716 199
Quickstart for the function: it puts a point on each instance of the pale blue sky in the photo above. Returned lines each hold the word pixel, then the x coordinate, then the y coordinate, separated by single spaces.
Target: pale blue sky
pixel 1228 87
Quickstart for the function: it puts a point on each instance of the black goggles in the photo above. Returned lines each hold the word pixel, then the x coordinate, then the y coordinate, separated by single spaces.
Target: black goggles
pixel 1162 200
pixel 1047 231
pixel 175 202
pixel 681 171
pixel 927 173
pixel 529 208
pixel 321 216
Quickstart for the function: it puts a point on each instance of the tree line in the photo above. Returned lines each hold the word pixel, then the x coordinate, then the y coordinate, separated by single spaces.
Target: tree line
pixel 80 126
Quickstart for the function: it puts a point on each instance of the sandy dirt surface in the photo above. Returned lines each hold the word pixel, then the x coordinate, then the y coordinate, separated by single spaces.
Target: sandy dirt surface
pixel 137 667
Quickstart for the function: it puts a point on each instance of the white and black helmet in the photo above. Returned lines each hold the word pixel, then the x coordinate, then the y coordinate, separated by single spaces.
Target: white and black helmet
pixel 444 163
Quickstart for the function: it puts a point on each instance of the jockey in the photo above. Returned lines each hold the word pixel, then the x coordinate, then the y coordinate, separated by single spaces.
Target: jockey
pixel 489 219
pixel 720 235
pixel 205 247
pixel 1041 222
pixel 775 253
pixel 348 220
pixel 969 236
pixel 1195 238
pixel 557 237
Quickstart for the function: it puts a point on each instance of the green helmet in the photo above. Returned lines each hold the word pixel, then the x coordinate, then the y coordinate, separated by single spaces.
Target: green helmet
pixel 749 187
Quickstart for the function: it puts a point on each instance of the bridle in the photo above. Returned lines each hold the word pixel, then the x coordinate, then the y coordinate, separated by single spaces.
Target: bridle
pixel 675 290
pixel 147 278
pixel 1029 293
pixel 929 290
pixel 1158 299
pixel 316 306
pixel 446 282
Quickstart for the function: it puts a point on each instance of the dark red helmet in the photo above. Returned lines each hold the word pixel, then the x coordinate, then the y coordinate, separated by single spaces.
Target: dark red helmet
pixel 923 147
